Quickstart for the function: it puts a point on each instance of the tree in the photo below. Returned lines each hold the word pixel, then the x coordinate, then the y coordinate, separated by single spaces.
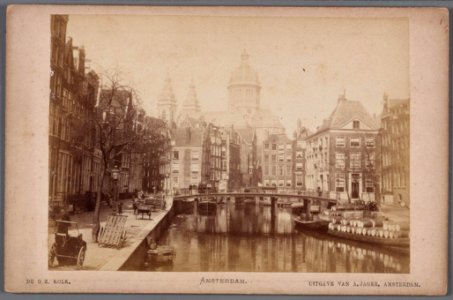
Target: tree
pixel 116 131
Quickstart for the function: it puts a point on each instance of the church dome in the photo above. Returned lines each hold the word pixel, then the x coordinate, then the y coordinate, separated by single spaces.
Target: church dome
pixel 244 74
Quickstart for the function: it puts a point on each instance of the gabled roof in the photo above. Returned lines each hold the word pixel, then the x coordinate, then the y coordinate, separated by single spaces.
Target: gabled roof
pixel 121 98
pixel 347 111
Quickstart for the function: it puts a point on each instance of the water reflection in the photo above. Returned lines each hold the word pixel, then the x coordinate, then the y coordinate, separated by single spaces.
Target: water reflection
pixel 247 237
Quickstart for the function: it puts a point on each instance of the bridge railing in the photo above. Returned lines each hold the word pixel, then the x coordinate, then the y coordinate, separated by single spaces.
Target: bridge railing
pixel 299 196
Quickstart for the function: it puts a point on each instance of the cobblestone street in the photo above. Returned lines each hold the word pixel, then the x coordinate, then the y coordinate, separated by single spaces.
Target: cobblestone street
pixel 97 257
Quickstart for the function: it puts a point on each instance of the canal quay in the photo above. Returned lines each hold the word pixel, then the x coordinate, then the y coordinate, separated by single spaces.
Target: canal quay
pixel 240 234
pixel 111 258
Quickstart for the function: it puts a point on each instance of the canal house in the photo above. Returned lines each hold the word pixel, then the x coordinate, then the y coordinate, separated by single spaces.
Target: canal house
pixel 277 162
pixel 340 155
pixel 394 140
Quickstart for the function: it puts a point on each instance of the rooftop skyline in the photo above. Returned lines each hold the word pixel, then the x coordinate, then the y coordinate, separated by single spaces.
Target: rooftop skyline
pixel 304 64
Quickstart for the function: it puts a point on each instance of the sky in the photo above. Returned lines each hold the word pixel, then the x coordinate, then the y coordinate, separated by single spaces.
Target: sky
pixel 303 64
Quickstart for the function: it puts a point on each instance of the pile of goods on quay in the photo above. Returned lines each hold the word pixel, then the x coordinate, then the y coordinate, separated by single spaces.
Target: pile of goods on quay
pixel 368 223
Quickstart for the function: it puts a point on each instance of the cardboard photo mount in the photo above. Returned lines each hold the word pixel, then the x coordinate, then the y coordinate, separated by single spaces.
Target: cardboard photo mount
pixel 26 164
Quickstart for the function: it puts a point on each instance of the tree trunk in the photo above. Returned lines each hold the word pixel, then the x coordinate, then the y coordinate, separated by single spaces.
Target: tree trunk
pixel 97 209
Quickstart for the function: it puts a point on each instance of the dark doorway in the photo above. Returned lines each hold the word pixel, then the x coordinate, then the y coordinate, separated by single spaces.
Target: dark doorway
pixel 355 186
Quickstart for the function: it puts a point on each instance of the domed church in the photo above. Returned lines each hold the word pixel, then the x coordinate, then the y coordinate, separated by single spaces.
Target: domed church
pixel 244 111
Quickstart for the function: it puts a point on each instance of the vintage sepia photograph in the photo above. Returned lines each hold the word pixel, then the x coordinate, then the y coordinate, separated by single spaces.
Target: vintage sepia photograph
pixel 229 144
pixel 226 150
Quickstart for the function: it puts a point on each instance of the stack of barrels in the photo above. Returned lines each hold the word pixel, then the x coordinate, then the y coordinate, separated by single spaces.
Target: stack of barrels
pixel 377 227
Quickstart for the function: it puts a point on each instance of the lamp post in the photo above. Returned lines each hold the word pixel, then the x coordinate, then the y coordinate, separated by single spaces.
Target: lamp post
pixel 167 183
pixel 115 174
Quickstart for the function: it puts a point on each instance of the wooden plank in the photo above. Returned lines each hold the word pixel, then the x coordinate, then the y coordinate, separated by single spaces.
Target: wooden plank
pixel 113 231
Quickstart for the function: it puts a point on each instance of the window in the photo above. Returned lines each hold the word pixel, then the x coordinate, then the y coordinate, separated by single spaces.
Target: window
pixel 176 155
pixel 288 183
pixel 266 170
pixel 288 170
pixel 59 86
pixel 299 167
pixel 274 147
pixel 281 157
pixel 274 170
pixel 273 158
pixel 355 160
pixel 266 158
pixel 288 146
pixel 369 142
pixel 340 183
pixel 370 160
pixel 280 170
pixel 195 168
pixel 340 161
pixel 266 146
pixel 355 142
pixel 340 141
pixel 369 186
pixel 195 155
pixel 356 124
pixel 289 157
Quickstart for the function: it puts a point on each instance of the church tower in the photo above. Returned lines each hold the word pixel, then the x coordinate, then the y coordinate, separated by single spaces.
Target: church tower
pixel 244 88
pixel 190 106
pixel 166 103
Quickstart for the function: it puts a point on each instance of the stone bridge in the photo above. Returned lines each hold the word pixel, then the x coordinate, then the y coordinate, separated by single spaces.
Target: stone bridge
pixel 281 198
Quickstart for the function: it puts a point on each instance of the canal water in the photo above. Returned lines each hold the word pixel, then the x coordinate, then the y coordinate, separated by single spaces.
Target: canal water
pixel 247 238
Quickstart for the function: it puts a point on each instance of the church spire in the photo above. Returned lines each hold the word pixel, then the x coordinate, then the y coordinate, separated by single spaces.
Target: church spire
pixel 190 104
pixel 167 94
pixel 166 103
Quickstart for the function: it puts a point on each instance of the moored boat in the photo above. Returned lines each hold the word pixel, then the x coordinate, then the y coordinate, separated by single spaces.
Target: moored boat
pixel 161 254
pixel 388 240
pixel 207 205
pixel 315 224
pixel 297 208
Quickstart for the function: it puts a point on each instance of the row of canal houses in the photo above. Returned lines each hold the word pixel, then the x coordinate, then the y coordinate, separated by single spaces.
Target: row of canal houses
pixel 78 101
pixel 351 156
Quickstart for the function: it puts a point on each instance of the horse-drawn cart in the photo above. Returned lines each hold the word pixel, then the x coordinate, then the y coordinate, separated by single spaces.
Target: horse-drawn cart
pixel 144 209
pixel 67 249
